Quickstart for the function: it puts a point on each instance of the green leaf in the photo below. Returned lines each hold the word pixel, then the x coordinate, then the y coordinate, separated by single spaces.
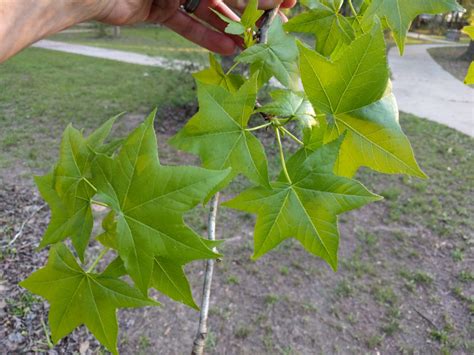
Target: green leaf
pixel 251 14
pixel 348 91
pixel 217 133
pixel 149 201
pixel 278 57
pixel 375 139
pixel 167 277
pixel 295 105
pixel 307 209
pixel 400 13
pixel 215 75
pixel 233 27
pixel 332 30
pixel 74 221
pixel 77 297
pixel 69 191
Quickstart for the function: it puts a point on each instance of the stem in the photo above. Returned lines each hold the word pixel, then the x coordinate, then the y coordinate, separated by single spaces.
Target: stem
pixel 282 156
pixel 232 68
pixel 200 340
pixel 98 203
pixel 354 12
pixel 96 261
pixel 291 135
pixel 89 183
pixel 258 127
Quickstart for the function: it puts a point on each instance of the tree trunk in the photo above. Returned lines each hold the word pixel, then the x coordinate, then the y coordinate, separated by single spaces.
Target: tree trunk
pixel 116 32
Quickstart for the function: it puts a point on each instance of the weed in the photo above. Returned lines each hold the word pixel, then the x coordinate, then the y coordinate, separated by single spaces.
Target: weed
pixel 374 341
pixel 417 277
pixel 210 341
pixel 284 270
pixel 242 332
pixel 143 343
pixel 385 295
pixel 233 280
pixel 343 289
pixel 271 299
pixel 391 193
pixel 457 255
pixel 466 276
pixel 441 336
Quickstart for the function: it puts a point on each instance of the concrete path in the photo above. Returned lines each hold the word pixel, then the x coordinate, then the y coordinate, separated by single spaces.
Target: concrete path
pixel 424 88
pixel 120 56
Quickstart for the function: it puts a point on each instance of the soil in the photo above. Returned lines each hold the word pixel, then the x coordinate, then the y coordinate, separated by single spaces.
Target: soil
pixel 398 289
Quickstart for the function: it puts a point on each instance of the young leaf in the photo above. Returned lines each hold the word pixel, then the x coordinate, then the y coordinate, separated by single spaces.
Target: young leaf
pixel 294 105
pixel 332 30
pixel 217 132
pixel 149 201
pixel 77 297
pixel 306 209
pixel 215 75
pixel 400 13
pixel 278 57
pixel 345 90
pixel 233 27
pixel 251 14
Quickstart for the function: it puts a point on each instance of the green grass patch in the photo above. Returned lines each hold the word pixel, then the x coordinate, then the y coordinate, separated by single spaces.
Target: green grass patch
pixel 42 91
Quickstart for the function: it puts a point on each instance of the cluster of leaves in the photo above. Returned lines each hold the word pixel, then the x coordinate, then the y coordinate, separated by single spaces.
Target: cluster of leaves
pixel 338 94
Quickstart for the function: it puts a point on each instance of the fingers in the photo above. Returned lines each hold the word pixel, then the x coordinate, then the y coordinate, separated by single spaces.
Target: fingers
pixel 262 4
pixel 204 13
pixel 196 32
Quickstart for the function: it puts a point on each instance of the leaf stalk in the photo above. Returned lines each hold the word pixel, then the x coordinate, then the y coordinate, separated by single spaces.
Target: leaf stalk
pixel 282 155
pixel 96 261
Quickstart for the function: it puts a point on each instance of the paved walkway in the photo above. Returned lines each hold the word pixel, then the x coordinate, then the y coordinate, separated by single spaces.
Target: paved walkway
pixel 120 56
pixel 421 86
pixel 424 88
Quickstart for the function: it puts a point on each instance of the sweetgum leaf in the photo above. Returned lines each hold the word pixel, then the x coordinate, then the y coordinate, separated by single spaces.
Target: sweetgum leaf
pixel 77 297
pixel 69 191
pixel 149 201
pixel 306 209
pixel 295 105
pixel 167 277
pixel 217 132
pixel 215 75
pixel 332 30
pixel 251 14
pixel 278 57
pixel 400 13
pixel 348 91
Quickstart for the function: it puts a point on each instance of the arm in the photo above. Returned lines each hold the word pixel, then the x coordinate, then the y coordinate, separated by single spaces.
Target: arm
pixel 23 22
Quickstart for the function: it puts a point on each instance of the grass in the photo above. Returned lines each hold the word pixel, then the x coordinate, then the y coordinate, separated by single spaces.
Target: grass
pixel 149 40
pixel 449 59
pixel 42 91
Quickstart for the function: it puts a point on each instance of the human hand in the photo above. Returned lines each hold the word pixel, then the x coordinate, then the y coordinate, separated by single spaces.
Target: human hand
pixel 169 13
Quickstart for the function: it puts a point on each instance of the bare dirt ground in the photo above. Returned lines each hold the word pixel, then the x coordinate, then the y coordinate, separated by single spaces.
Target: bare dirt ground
pixel 405 283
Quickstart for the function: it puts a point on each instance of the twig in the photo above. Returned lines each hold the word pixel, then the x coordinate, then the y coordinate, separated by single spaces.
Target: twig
pixel 20 232
pixel 425 318
pixel 267 19
pixel 200 340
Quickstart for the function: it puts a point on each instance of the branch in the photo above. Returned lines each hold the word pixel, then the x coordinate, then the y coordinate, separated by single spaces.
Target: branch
pixel 20 232
pixel 200 340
